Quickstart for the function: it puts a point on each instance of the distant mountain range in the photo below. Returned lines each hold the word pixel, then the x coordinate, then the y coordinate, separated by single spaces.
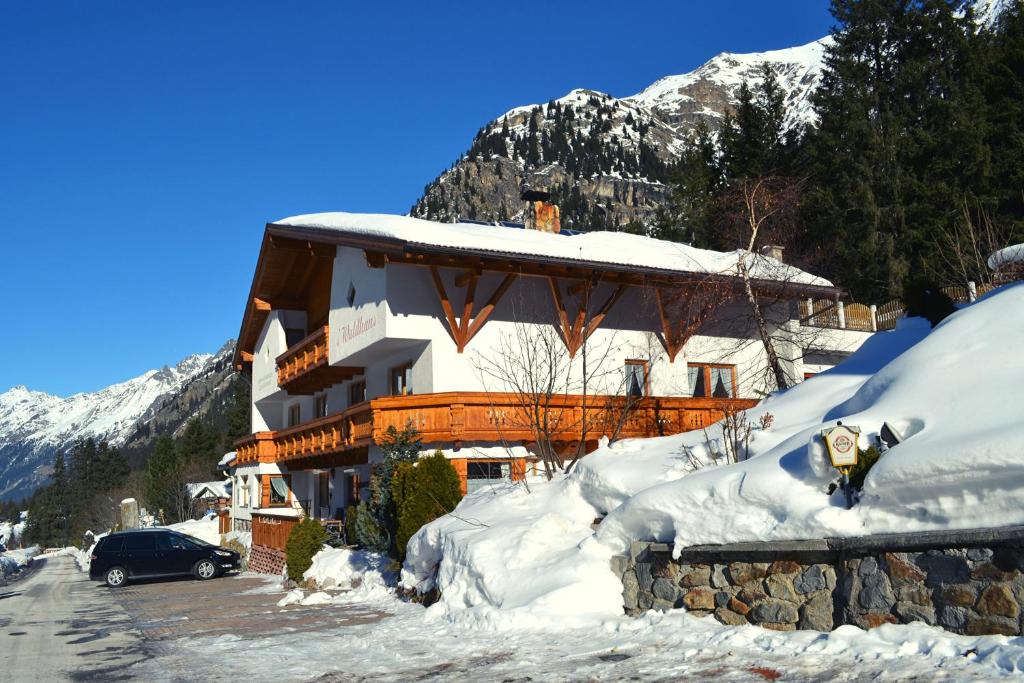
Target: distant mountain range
pixel 35 426
pixel 607 159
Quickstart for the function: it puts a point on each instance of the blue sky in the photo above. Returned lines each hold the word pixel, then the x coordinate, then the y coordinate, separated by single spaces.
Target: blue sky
pixel 144 145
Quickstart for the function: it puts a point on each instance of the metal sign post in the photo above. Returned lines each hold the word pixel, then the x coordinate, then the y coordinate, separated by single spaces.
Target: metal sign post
pixel 841 442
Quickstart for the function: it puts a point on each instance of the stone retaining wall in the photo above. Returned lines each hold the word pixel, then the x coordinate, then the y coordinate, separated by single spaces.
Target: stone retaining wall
pixel 968 582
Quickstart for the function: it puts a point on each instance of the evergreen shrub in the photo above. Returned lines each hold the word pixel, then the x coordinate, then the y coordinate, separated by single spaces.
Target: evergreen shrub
pixel 305 541
pixel 351 516
pixel 368 531
pixel 865 461
pixel 422 493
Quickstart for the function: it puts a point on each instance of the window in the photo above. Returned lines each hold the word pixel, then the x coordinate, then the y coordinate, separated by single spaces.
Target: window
pixel 712 380
pixel 139 542
pixel 481 473
pixel 278 491
pixel 320 406
pixel 401 380
pixel 352 489
pixel 638 381
pixel 351 298
pixel 293 335
pixel 294 415
pixel 356 392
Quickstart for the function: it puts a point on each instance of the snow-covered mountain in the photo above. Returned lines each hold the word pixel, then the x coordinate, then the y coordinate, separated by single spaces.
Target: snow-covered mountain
pixel 35 425
pixel 607 158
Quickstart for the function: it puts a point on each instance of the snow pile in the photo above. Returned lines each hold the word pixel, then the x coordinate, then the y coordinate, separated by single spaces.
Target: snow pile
pixel 11 533
pixel 13 561
pixel 83 558
pixel 206 529
pixel 345 568
pixel 954 393
pixel 243 537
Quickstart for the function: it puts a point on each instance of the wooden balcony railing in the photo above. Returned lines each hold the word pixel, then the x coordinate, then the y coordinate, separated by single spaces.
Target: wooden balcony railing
pixel 478 416
pixel 304 367
pixel 271 530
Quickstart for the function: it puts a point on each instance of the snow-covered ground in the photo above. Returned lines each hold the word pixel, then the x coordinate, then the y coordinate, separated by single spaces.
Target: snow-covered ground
pixel 413 643
pixel 955 394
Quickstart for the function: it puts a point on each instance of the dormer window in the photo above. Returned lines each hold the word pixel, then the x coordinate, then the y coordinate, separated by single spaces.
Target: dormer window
pixel 351 295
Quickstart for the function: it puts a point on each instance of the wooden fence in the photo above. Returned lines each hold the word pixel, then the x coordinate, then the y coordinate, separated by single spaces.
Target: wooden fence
pixel 840 316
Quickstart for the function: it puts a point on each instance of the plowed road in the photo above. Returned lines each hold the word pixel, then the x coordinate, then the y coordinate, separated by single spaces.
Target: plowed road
pixel 56 625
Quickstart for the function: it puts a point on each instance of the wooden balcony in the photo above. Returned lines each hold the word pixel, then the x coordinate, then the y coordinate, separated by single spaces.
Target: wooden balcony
pixel 304 367
pixel 454 417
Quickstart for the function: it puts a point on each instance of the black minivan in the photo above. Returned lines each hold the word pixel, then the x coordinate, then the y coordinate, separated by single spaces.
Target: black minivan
pixel 144 553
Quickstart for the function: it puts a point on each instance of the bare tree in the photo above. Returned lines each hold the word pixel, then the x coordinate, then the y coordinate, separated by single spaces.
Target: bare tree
pixel 967 244
pixel 553 373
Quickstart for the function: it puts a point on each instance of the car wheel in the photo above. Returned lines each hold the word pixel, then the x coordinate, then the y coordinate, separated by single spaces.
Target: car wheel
pixel 205 569
pixel 115 577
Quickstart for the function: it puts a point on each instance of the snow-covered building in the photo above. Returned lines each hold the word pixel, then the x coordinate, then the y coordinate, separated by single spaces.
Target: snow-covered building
pixel 356 323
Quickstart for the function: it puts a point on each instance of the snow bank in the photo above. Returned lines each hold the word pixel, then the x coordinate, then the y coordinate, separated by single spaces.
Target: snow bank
pixel 955 394
pixel 12 532
pixel 346 569
pixel 207 529
pixel 13 561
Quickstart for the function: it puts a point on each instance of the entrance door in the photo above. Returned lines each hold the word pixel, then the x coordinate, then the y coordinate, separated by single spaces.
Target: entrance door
pixel 323 495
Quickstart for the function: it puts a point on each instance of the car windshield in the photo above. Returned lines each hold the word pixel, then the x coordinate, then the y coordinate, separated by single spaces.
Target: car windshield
pixel 195 541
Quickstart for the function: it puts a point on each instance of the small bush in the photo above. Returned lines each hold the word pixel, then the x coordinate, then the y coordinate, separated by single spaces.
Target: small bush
pixel 422 493
pixel 305 541
pixel 865 461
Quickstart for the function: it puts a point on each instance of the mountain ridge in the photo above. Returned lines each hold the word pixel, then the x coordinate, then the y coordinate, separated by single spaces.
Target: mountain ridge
pixel 607 159
pixel 36 425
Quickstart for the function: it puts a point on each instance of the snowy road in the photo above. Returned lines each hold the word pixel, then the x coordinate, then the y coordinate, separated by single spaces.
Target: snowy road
pixel 56 624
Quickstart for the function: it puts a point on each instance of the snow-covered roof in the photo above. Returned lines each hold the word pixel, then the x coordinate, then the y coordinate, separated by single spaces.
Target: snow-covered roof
pixel 227 458
pixel 208 489
pixel 602 249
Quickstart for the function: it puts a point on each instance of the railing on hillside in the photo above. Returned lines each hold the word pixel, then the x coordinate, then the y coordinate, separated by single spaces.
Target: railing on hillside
pixel 837 315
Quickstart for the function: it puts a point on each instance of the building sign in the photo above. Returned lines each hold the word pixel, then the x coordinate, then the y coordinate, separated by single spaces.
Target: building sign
pixel 356 328
pixel 841 442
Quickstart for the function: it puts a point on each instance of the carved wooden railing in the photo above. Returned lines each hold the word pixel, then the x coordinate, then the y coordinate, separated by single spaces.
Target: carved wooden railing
pixel 271 530
pixel 303 357
pixel 480 416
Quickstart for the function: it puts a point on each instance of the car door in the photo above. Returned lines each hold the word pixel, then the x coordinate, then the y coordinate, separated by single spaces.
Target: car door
pixel 174 554
pixel 140 554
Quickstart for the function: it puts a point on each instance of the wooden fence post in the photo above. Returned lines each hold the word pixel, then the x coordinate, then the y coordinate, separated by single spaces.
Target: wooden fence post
pixel 842 315
pixel 972 291
pixel 874 318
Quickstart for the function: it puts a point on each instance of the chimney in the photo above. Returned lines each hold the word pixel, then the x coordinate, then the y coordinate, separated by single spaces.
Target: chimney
pixel 540 213
pixel 773 251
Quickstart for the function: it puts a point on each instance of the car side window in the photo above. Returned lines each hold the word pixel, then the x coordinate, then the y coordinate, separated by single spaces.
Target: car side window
pixel 111 545
pixel 171 542
pixel 139 542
